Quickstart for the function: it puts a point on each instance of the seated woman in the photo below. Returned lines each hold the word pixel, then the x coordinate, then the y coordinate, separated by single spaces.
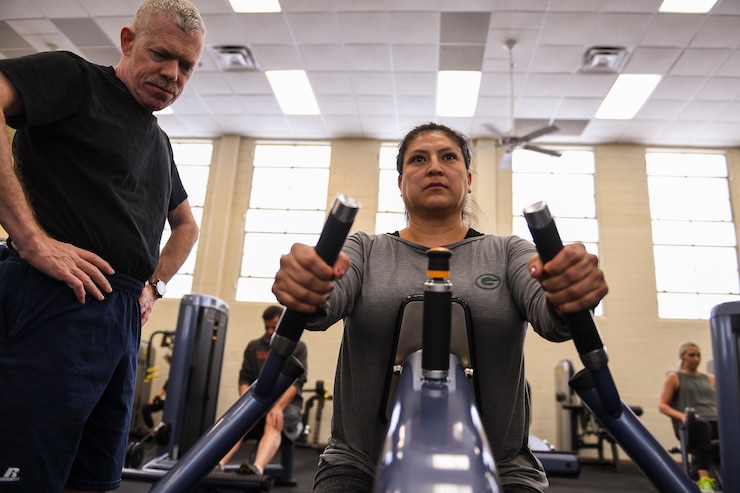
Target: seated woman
pixel 687 387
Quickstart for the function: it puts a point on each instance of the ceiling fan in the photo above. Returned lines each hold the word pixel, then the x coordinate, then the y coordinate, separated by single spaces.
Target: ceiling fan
pixel 512 141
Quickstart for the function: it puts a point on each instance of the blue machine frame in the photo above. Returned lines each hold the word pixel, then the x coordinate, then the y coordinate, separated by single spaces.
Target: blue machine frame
pixel 725 329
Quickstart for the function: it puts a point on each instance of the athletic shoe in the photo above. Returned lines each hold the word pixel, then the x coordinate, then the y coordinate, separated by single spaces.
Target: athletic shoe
pixel 706 484
pixel 247 468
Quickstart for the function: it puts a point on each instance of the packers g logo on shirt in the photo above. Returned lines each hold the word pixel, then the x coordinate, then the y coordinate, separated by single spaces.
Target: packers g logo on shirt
pixel 488 281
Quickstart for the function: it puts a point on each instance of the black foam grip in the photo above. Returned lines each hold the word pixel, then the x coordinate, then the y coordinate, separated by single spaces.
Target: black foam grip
pixel 336 228
pixel 547 239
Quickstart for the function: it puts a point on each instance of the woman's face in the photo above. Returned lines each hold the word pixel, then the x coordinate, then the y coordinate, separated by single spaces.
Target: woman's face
pixel 691 358
pixel 434 178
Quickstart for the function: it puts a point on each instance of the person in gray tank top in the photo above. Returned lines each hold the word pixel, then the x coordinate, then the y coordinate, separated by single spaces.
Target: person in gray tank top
pixel 688 387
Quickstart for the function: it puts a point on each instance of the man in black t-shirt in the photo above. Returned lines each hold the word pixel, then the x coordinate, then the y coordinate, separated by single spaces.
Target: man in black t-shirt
pixel 84 197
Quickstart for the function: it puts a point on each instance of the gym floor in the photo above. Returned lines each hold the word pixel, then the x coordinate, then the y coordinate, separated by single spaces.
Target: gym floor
pixel 594 477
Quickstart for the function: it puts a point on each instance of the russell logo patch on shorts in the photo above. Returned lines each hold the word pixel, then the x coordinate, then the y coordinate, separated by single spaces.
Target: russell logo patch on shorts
pixel 11 474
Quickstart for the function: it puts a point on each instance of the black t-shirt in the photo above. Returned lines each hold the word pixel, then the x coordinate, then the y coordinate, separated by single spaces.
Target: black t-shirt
pixel 97 169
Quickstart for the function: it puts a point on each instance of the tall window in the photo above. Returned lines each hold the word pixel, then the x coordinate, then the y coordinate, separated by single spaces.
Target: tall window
pixel 287 205
pixel 566 183
pixel 391 211
pixel 193 159
pixel 694 240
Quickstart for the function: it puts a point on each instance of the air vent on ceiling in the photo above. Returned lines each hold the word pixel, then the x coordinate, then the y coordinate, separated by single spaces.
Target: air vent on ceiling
pixel 234 58
pixel 604 59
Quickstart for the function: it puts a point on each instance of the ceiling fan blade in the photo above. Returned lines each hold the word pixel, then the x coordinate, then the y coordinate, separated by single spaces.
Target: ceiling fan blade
pixel 542 150
pixel 539 133
pixel 494 131
pixel 505 160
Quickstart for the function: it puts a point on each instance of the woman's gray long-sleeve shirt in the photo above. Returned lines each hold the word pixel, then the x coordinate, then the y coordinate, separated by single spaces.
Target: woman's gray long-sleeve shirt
pixel 490 273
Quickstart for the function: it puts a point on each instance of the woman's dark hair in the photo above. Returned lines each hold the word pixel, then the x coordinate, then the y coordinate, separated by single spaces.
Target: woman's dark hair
pixel 458 137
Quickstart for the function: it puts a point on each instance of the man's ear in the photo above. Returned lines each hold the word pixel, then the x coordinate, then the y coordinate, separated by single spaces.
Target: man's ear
pixel 127 39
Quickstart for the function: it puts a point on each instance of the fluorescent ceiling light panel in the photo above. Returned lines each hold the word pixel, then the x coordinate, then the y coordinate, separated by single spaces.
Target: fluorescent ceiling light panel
pixel 687 6
pixel 255 6
pixel 627 95
pixel 165 111
pixel 293 92
pixel 457 92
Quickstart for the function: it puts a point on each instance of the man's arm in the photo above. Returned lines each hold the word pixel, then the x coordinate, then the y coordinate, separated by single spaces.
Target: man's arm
pixel 175 252
pixel 81 270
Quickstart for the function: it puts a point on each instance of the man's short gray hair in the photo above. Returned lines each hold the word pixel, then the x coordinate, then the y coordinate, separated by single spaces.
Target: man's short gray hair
pixel 183 13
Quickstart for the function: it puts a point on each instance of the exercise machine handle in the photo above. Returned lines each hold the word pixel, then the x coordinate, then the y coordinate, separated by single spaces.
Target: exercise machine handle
pixel 581 324
pixel 291 324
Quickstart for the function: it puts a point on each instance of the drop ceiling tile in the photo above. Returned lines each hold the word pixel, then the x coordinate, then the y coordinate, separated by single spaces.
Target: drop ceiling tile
pixel 416 105
pixel 277 57
pixel 324 57
pixel 375 105
pixel 107 56
pixel 126 8
pixel 700 61
pixel 18 10
pixel 583 85
pixel 414 83
pixel 576 108
pixel 673 30
pixel 559 29
pixel 247 82
pixel 563 59
pixel 418 28
pixel 60 8
pixel 330 83
pixel 718 32
pixel 464 27
pixel 259 28
pixel 314 27
pixel 365 27
pixel 367 57
pixel 337 105
pixel 372 83
pixel 678 88
pixel 411 58
pixel 32 26
pixel 619 29
pixel 538 85
pixel 649 60
pixel 82 31
pixel 259 104
pixel 720 89
pixel 701 111
pixel 731 66
pixel 659 110
pixel 209 83
pixel 10 39
pixel 189 104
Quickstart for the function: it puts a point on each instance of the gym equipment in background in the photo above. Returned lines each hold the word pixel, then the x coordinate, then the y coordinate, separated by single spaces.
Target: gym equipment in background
pixel 725 330
pixel 192 393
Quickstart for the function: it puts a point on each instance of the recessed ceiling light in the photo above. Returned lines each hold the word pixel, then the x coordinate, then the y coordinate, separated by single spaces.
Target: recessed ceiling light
pixel 627 95
pixel 255 6
pixel 293 92
pixel 457 92
pixel 687 6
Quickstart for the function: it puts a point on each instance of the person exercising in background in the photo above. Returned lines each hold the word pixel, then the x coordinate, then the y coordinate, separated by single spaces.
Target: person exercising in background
pixel 688 387
pixel 286 414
